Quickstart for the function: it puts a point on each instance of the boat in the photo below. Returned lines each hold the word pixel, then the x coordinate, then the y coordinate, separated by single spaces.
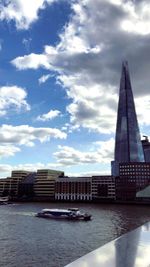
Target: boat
pixel 4 200
pixel 69 214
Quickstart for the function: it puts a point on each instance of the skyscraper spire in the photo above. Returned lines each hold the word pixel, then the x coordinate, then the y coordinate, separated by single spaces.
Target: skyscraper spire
pixel 128 146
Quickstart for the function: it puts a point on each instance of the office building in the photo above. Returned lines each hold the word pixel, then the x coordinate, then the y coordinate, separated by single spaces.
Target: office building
pixel 128 146
pixel 85 188
pixel 4 186
pixel 146 148
pixel 44 185
pixel 73 188
pixel 103 187
pixel 133 177
pixel 130 165
pixel 38 185
pixel 26 187
pixel 16 177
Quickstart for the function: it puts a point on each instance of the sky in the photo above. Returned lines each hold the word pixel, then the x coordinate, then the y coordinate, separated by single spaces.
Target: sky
pixel 60 67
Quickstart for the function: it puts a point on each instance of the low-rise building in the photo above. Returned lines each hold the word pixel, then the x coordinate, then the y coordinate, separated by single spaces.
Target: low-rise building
pixel 4 186
pixel 73 188
pixel 26 187
pixel 9 186
pixel 17 177
pixel 103 187
pixel 44 185
pixel 133 177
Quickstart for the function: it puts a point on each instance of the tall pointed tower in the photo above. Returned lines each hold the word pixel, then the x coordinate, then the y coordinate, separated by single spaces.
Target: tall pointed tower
pixel 128 146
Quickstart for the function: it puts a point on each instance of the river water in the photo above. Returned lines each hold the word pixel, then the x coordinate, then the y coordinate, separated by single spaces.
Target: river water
pixel 26 240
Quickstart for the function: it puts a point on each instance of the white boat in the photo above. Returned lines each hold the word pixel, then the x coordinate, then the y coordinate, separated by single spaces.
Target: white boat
pixel 4 200
pixel 69 214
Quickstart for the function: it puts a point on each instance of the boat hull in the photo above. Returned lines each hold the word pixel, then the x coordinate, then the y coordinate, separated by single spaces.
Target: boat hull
pixel 66 217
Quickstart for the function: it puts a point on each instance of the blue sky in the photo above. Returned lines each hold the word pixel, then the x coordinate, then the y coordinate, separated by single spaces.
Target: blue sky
pixel 60 65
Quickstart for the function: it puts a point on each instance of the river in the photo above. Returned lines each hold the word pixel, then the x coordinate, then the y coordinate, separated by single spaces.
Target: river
pixel 26 240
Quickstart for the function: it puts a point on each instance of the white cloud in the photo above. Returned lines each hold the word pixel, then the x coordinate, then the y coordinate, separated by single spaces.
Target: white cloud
pixel 88 174
pixel 8 150
pixel 32 61
pixel 93 107
pixel 49 116
pixel 23 12
pixel 44 78
pixel 143 109
pixel 88 60
pixel 68 156
pixel 138 19
pixel 12 97
pixel 6 169
pixel 27 135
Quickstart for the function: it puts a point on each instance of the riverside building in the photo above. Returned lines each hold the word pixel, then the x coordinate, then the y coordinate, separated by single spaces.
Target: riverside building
pixel 16 178
pixel 38 185
pixel 103 187
pixel 130 179
pixel 9 186
pixel 133 177
pixel 85 188
pixel 73 188
pixel 44 185
pixel 4 186
pixel 129 168
pixel 146 148
pixel 128 145
pixel 26 187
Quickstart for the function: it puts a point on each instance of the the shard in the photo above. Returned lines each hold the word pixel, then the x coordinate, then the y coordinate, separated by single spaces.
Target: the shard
pixel 128 146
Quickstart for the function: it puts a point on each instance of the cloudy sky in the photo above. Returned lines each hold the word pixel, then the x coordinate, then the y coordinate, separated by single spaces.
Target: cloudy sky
pixel 60 66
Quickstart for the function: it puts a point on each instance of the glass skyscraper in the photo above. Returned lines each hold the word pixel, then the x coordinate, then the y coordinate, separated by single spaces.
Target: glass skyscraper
pixel 128 146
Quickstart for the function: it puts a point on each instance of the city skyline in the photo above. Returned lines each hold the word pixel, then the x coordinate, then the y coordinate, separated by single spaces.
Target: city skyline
pixel 60 70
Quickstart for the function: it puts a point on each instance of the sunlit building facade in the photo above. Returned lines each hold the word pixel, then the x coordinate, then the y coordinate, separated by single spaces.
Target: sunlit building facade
pixel 73 189
pixel 93 188
pixel 44 185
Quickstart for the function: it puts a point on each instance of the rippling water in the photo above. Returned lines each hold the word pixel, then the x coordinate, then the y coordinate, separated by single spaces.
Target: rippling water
pixel 26 240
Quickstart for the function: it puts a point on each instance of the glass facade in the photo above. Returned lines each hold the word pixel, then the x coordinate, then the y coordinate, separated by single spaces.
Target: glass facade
pixel 133 177
pixel 128 146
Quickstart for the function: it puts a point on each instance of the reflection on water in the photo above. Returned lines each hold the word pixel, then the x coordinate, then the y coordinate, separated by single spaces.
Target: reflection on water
pixel 37 242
